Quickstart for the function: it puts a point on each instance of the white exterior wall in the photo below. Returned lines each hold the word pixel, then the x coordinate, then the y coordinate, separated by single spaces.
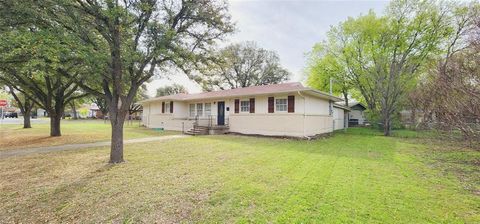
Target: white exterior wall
pixel 339 118
pixel 318 124
pixel 357 114
pixel 153 117
pixel 316 106
pixel 180 110
pixel 311 116
pixel 318 119
pixel 268 124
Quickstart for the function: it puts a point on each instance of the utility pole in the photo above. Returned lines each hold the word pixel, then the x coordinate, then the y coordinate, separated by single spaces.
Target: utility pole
pixel 331 93
pixel 331 85
pixel 345 123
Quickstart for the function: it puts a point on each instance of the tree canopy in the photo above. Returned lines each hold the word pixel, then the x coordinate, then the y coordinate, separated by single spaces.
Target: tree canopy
pixel 171 89
pixel 127 41
pixel 242 65
pixel 109 48
pixel 383 56
pixel 34 56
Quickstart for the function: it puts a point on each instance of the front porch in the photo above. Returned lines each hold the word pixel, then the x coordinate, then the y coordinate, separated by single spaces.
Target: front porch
pixel 208 130
pixel 208 126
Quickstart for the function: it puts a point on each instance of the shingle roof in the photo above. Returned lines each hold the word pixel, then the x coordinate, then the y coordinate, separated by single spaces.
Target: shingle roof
pixel 246 91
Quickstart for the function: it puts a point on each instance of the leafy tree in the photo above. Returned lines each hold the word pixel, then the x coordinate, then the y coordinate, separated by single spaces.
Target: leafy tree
pixel 324 67
pixel 129 40
pixel 454 78
pixel 24 104
pixel 384 56
pixel 74 104
pixel 141 95
pixel 241 65
pixel 101 104
pixel 170 90
pixel 3 93
pixel 33 59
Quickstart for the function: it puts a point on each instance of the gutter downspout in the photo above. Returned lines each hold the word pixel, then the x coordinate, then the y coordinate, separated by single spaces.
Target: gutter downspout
pixel 304 114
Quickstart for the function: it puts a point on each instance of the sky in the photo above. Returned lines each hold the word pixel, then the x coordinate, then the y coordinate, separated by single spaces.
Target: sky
pixel 288 27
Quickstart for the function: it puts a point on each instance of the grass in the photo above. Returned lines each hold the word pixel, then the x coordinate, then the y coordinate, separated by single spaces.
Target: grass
pixel 353 177
pixel 73 131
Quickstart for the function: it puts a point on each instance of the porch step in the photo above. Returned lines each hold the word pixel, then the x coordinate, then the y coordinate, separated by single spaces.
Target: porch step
pixel 197 131
pixel 205 130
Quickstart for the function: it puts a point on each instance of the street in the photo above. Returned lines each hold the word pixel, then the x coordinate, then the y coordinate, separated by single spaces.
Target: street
pixel 20 121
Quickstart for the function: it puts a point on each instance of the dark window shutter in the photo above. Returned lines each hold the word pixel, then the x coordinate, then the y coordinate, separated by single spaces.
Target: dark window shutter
pixel 171 107
pixel 270 105
pixel 291 104
pixel 163 107
pixel 237 106
pixel 252 105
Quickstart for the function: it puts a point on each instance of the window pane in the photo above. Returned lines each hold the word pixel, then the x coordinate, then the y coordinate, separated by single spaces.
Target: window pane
pixel 281 105
pixel 192 110
pixel 245 106
pixel 199 109
pixel 208 109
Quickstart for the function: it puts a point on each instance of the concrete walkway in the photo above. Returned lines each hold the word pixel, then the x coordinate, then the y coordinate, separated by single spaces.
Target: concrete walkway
pixel 28 151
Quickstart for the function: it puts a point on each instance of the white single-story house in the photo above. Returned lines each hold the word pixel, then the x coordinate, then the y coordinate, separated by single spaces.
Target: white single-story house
pixel 287 109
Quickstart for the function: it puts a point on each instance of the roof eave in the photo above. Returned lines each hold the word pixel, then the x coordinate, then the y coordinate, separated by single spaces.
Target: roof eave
pixel 342 107
pixel 311 91
pixel 325 95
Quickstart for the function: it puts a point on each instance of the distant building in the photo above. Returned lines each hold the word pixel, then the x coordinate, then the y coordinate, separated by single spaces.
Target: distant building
pixel 356 116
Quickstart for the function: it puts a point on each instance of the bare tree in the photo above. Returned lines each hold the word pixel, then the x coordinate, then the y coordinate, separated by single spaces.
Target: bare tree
pixel 455 80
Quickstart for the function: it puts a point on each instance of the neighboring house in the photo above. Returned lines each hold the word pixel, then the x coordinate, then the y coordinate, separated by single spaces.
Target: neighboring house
pixel 356 116
pixel 287 109
pixel 41 113
pixel 95 112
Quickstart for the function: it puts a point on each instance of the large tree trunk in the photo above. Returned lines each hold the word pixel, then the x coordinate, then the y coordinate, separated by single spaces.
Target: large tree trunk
pixel 345 97
pixel 117 109
pixel 27 113
pixel 55 124
pixel 387 125
pixel 117 120
pixel 26 118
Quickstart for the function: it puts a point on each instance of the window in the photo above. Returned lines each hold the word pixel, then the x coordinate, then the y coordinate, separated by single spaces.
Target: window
pixel 200 109
pixel 208 109
pixel 245 106
pixel 192 110
pixel 281 105
pixel 167 107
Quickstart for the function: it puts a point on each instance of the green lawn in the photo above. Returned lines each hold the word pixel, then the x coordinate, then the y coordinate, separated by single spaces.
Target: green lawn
pixel 353 177
pixel 73 131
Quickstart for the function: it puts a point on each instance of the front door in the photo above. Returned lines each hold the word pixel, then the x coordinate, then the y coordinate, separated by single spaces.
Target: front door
pixel 221 113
